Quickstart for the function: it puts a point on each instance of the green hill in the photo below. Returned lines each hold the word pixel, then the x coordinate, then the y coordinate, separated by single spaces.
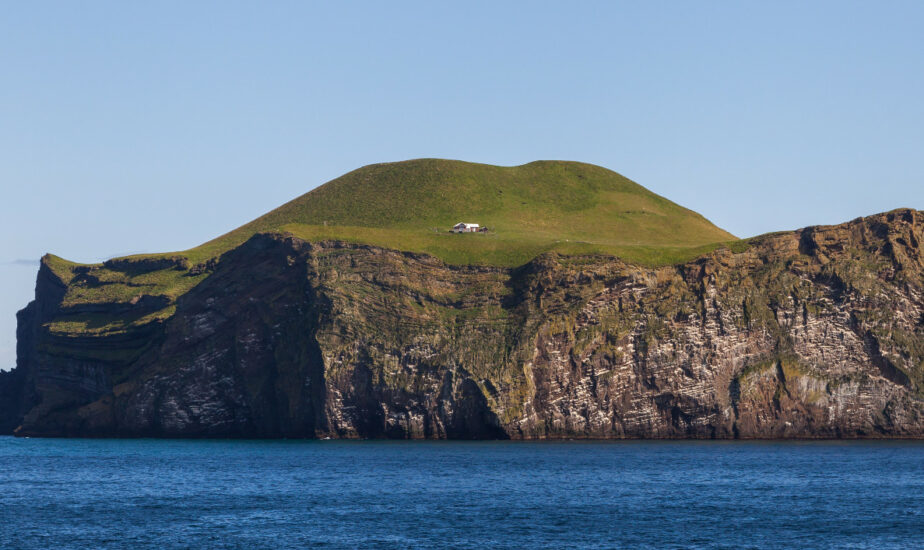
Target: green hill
pixel 565 207
pixel 569 207
pixel 543 206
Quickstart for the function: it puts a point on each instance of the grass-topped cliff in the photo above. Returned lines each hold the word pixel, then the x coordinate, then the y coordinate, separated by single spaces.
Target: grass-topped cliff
pixel 810 333
pixel 543 206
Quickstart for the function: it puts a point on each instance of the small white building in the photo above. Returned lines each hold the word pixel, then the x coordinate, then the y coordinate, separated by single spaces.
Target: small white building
pixel 465 228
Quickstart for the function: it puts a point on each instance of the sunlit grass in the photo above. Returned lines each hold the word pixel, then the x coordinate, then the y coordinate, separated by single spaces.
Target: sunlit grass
pixel 567 208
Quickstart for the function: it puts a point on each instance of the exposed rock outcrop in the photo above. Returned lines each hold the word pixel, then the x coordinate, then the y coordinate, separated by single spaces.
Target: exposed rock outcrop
pixel 805 334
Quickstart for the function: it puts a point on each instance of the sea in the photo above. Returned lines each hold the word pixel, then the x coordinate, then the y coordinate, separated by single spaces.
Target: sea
pixel 83 493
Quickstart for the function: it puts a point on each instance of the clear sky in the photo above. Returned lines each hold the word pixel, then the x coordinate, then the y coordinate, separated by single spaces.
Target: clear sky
pixel 130 127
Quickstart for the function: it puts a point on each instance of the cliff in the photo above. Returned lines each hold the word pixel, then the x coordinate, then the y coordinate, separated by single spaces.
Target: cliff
pixel 814 333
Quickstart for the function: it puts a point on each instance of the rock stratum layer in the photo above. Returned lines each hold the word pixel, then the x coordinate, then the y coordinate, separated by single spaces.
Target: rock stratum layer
pixel 816 333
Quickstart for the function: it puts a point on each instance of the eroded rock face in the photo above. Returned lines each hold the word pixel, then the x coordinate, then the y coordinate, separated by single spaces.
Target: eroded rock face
pixel 813 333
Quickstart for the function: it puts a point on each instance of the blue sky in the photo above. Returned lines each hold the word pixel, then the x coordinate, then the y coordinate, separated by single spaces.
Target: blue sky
pixel 145 127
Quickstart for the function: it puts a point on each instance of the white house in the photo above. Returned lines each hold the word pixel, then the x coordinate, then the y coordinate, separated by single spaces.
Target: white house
pixel 465 228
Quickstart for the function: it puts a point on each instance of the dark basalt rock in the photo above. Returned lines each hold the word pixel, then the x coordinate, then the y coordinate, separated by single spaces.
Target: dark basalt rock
pixel 145 265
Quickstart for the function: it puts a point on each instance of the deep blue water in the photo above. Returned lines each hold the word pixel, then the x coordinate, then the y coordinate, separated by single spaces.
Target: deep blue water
pixel 370 494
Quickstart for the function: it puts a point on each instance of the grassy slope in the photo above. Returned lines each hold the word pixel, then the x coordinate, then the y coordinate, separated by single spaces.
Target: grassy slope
pixel 569 207
pixel 566 207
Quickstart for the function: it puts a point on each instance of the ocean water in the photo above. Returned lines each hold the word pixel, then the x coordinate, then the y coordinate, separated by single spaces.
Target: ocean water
pixel 70 493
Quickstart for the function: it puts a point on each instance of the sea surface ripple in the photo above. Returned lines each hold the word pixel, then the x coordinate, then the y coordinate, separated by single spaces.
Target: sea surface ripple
pixel 72 493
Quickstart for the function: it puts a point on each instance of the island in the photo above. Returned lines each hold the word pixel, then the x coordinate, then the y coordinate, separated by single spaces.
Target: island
pixel 593 308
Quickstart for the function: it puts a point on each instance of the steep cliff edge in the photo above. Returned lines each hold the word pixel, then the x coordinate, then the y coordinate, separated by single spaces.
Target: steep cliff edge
pixel 805 334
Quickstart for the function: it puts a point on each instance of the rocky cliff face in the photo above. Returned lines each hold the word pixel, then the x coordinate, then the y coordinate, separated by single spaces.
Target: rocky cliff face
pixel 806 334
